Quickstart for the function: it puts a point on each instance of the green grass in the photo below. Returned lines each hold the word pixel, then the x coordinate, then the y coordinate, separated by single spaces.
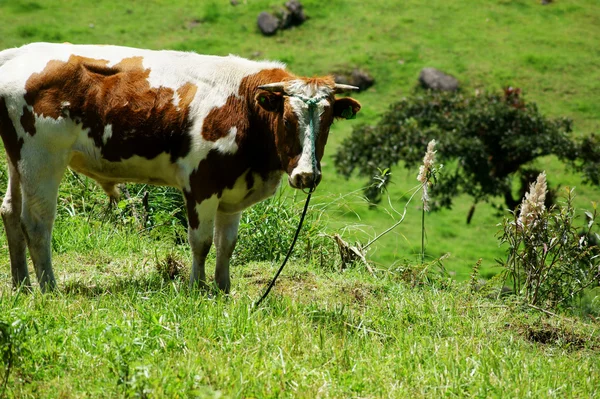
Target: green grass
pixel 116 328
pixel 320 334
pixel 549 51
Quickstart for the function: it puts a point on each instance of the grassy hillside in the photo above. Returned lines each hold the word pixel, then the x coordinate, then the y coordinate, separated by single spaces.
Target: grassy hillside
pixel 327 335
pixel 116 328
pixel 549 51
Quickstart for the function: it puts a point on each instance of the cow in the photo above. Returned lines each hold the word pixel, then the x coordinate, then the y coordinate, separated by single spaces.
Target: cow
pixel 223 130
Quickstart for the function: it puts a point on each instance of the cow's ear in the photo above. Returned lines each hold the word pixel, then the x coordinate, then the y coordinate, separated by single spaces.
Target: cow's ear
pixel 345 108
pixel 269 101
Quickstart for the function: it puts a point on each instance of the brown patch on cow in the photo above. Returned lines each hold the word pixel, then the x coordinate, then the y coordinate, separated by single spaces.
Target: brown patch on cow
pixel 28 121
pixel 12 142
pixel 190 206
pixel 249 182
pixel 219 121
pixel 257 150
pixel 234 113
pixel 186 93
pixel 289 143
pixel 144 120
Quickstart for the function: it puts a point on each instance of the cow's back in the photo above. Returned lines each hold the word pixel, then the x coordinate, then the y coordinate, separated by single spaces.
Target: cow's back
pixel 125 114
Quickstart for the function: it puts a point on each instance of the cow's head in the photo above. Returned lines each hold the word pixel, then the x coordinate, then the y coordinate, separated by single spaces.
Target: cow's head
pixel 305 110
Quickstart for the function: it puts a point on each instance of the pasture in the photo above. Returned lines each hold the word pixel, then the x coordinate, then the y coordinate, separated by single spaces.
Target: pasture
pixel 123 322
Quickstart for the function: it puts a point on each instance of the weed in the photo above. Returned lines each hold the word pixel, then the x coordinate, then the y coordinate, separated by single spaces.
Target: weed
pixel 474 280
pixel 267 229
pixel 12 349
pixel 549 262
pixel 171 268
pixel 425 274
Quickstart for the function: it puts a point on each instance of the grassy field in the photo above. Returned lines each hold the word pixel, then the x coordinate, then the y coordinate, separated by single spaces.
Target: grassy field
pixel 116 328
pixel 321 334
pixel 548 51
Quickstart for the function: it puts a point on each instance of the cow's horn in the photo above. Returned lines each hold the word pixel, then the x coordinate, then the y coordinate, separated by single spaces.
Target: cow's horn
pixel 274 87
pixel 339 88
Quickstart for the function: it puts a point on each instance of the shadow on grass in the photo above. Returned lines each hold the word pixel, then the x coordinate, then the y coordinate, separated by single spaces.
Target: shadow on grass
pixel 170 274
pixel 566 337
pixel 119 285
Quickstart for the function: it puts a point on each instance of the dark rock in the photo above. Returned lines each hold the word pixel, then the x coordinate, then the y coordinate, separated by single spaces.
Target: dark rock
pixel 431 78
pixel 234 2
pixel 285 18
pixel 267 23
pixel 296 9
pixel 292 15
pixel 357 77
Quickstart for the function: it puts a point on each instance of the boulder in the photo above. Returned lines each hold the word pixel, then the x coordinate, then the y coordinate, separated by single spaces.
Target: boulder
pixel 431 78
pixel 286 17
pixel 267 23
pixel 296 10
pixel 357 77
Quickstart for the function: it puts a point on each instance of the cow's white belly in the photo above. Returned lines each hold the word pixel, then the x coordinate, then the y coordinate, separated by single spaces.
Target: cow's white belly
pixel 239 197
pixel 157 171
pixel 87 159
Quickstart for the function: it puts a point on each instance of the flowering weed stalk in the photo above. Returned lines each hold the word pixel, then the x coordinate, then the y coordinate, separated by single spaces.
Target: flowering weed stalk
pixel 426 175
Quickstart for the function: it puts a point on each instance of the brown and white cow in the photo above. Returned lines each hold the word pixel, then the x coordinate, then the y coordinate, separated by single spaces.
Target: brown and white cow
pixel 221 129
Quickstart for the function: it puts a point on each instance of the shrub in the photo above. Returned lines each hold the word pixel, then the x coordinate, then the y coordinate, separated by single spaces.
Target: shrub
pixel 140 206
pixel 267 230
pixel 483 140
pixel 13 348
pixel 550 260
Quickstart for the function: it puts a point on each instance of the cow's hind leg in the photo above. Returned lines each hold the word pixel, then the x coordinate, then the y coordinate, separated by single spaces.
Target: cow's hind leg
pixel 200 234
pixel 11 215
pixel 226 231
pixel 40 193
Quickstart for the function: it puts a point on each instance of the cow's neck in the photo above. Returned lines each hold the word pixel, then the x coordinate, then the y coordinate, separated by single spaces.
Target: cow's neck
pixel 258 142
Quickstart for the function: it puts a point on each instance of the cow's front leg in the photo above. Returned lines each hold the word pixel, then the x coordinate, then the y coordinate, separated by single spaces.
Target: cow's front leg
pixel 226 230
pixel 201 218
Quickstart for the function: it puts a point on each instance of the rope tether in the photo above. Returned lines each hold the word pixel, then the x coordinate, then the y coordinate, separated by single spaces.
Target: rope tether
pixel 312 103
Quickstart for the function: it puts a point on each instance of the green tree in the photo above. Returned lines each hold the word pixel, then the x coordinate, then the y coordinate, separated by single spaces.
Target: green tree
pixel 484 141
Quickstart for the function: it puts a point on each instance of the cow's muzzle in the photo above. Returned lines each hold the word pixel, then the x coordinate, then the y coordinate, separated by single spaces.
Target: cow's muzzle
pixel 303 180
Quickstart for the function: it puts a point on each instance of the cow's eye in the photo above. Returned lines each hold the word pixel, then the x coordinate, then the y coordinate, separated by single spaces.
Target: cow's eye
pixel 287 124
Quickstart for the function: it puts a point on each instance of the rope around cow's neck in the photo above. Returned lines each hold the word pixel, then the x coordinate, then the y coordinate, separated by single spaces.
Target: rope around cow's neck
pixel 311 102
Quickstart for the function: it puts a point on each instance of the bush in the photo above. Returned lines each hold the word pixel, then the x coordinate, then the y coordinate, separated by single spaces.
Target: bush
pixel 267 230
pixel 550 260
pixel 13 348
pixel 483 141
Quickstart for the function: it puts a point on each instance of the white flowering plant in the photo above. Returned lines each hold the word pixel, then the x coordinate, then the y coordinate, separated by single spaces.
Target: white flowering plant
pixel 550 260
